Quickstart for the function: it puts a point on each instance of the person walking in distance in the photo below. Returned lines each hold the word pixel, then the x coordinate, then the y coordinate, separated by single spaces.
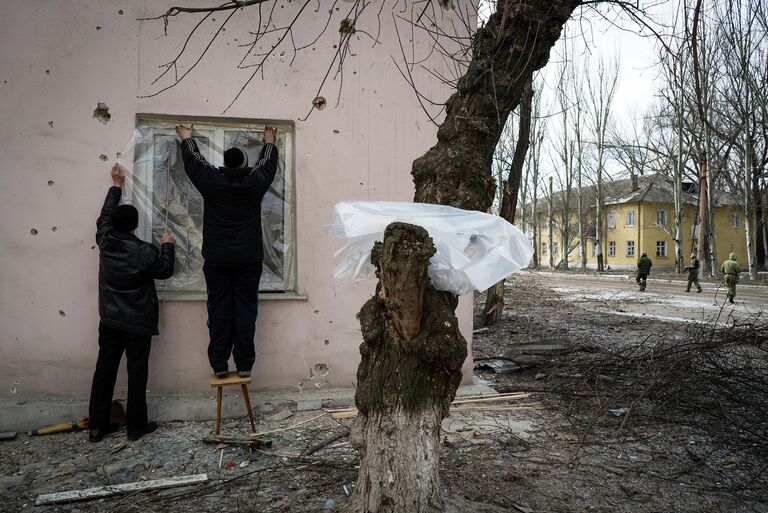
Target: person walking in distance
pixel 731 270
pixel 643 269
pixel 128 311
pixel 232 245
pixel 693 273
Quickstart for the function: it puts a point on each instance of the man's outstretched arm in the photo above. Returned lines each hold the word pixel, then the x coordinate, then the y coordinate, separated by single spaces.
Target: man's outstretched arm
pixel 266 167
pixel 162 267
pixel 195 165
pixel 104 222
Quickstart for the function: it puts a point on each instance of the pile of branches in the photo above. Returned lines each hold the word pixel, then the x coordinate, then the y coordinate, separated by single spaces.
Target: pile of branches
pixel 713 376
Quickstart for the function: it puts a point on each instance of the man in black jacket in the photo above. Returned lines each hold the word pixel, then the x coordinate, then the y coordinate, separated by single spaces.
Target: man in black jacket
pixel 128 309
pixel 232 245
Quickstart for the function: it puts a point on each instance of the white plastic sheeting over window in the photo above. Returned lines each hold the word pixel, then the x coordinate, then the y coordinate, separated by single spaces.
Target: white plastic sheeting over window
pixel 165 197
pixel 474 250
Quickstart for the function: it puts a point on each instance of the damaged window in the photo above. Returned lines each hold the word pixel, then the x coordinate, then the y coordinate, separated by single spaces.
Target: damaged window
pixel 165 197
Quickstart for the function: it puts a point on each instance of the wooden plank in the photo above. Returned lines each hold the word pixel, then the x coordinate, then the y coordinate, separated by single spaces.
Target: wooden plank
pixel 9 435
pixel 231 379
pixel 105 491
pixel 235 440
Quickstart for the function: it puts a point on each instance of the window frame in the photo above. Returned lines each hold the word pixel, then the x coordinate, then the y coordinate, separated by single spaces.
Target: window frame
pixel 630 244
pixel 663 245
pixel 662 211
pixel 611 220
pixel 735 220
pixel 612 248
pixel 543 248
pixel 144 170
pixel 634 220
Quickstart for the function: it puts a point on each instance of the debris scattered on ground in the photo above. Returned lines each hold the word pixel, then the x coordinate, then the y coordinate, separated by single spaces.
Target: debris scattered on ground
pixel 105 491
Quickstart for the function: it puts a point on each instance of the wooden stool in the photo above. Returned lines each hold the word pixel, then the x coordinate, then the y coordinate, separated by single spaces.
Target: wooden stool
pixel 232 379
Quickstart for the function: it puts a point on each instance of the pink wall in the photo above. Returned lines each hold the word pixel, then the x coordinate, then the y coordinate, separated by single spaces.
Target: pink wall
pixel 55 66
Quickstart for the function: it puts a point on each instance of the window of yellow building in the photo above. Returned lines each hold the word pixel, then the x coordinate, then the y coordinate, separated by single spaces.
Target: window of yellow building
pixel 631 218
pixel 611 219
pixel 611 248
pixel 735 219
pixel 543 248
pixel 554 248
pixel 630 248
pixel 661 248
pixel 661 217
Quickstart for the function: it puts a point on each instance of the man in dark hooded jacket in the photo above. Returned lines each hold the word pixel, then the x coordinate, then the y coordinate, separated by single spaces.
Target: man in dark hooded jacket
pixel 128 309
pixel 232 245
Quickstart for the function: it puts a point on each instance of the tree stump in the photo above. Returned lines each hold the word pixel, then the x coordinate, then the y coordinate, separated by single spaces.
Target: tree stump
pixel 412 353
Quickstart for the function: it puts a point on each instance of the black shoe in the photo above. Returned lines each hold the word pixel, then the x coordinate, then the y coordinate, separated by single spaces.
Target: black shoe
pixel 97 435
pixel 244 374
pixel 147 429
pixel 690 290
pixel 221 374
pixel 698 291
pixel 730 298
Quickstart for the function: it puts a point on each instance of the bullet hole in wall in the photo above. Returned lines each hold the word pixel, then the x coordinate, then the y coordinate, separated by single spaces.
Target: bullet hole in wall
pixel 326 341
pixel 319 370
pixel 33 231
pixel 61 312
pixel 53 228
pixel 102 113
pixel 50 124
pixel 319 103
pixel 120 12
pixel 50 182
pixel 103 157
pixel 316 312
pixel 47 72
pixel 335 131
pixel 93 247
pixel 98 27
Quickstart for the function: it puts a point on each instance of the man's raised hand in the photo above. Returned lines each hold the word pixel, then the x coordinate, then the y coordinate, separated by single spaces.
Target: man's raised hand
pixel 168 239
pixel 184 132
pixel 118 176
pixel 269 134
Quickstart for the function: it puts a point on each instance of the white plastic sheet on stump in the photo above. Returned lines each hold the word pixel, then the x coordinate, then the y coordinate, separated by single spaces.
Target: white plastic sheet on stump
pixel 474 250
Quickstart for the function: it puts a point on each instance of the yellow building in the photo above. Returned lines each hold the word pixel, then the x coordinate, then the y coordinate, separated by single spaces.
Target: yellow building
pixel 638 216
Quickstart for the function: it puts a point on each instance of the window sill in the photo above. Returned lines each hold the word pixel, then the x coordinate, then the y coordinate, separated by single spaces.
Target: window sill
pixel 263 296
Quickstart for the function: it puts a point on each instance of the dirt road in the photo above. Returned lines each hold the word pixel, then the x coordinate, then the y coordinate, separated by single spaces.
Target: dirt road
pixel 664 299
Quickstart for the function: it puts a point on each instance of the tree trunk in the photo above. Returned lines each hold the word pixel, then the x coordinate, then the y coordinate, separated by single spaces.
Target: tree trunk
pixel 405 385
pixel 412 353
pixel 550 228
pixel 757 201
pixel 494 300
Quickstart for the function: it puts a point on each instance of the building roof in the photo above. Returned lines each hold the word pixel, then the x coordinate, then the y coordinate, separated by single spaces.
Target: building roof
pixel 655 188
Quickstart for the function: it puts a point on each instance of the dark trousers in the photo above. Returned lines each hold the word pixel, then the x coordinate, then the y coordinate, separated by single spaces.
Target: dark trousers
pixel 112 344
pixel 233 305
pixel 693 279
pixel 641 279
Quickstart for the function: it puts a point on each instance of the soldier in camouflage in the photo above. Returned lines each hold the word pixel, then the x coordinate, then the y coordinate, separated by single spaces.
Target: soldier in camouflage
pixel 731 270
pixel 643 269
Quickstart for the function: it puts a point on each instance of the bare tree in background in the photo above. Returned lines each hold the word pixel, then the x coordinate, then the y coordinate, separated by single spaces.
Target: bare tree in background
pixel 494 303
pixel 601 89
